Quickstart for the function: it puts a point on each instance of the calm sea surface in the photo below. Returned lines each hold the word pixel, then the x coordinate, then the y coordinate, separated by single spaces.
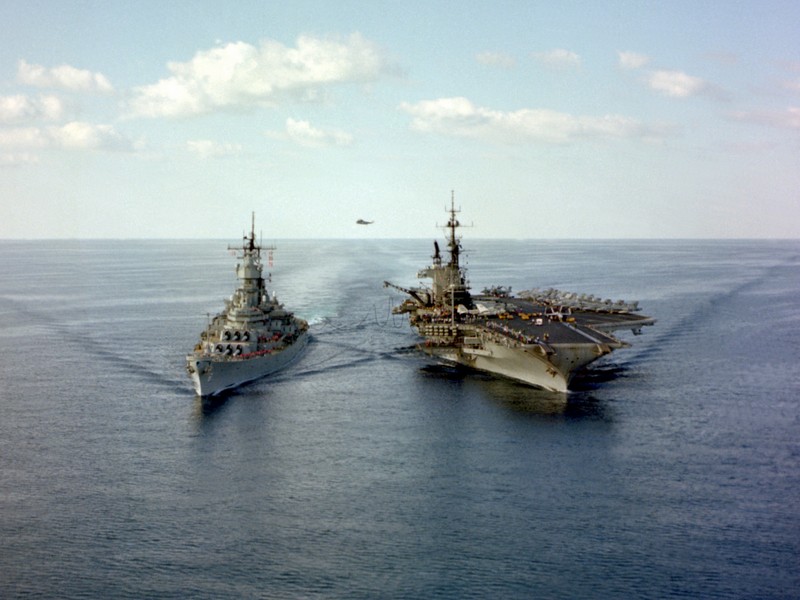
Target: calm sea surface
pixel 366 471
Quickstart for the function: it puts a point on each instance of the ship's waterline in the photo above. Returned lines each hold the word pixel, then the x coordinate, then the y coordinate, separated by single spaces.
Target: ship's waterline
pixel 209 379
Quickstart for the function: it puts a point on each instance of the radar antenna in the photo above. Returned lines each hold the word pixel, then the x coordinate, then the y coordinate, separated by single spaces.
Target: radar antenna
pixel 454 242
pixel 252 230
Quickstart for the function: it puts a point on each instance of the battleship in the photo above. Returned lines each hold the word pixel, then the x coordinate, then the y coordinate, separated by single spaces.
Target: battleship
pixel 252 337
pixel 543 338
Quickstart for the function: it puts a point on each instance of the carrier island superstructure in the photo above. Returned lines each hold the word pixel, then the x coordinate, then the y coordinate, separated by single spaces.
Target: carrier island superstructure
pixel 253 336
pixel 540 337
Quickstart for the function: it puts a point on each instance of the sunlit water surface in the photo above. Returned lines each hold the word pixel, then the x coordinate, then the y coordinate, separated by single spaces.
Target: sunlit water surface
pixel 366 471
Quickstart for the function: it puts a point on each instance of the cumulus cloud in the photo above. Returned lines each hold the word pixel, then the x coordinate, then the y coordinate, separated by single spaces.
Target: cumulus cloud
pixel 676 84
pixel 304 134
pixel 240 76
pixel 211 149
pixel 632 60
pixel 496 59
pixel 558 59
pixel 23 137
pixel 785 119
pixel 87 136
pixel 63 77
pixel 75 135
pixel 21 109
pixel 459 117
pixel 9 159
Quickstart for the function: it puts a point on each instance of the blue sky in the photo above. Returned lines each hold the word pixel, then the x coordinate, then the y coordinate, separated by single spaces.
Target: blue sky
pixel 548 119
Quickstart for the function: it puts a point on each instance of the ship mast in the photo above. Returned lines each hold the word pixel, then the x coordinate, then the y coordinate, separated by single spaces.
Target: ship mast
pixel 453 243
pixel 454 279
pixel 252 231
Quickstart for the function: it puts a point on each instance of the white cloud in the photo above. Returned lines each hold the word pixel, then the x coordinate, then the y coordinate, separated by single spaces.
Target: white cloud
pixel 676 84
pixel 785 119
pixel 211 149
pixel 23 137
pixel 75 135
pixel 63 77
pixel 17 159
pixel 242 76
pixel 304 134
pixel 558 59
pixel 496 59
pixel 632 60
pixel 458 117
pixel 86 136
pixel 20 109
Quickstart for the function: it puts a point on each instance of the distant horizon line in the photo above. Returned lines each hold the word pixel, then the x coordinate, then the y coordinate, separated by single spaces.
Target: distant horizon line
pixel 348 239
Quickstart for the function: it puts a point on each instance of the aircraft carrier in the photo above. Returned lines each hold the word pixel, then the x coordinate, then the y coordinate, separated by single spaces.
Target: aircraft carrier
pixel 540 337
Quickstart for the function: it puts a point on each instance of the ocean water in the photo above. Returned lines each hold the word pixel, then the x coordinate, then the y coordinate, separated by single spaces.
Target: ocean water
pixel 365 470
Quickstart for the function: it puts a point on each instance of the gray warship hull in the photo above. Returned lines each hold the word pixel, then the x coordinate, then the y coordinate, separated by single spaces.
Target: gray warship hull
pixel 213 375
pixel 526 339
pixel 254 335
